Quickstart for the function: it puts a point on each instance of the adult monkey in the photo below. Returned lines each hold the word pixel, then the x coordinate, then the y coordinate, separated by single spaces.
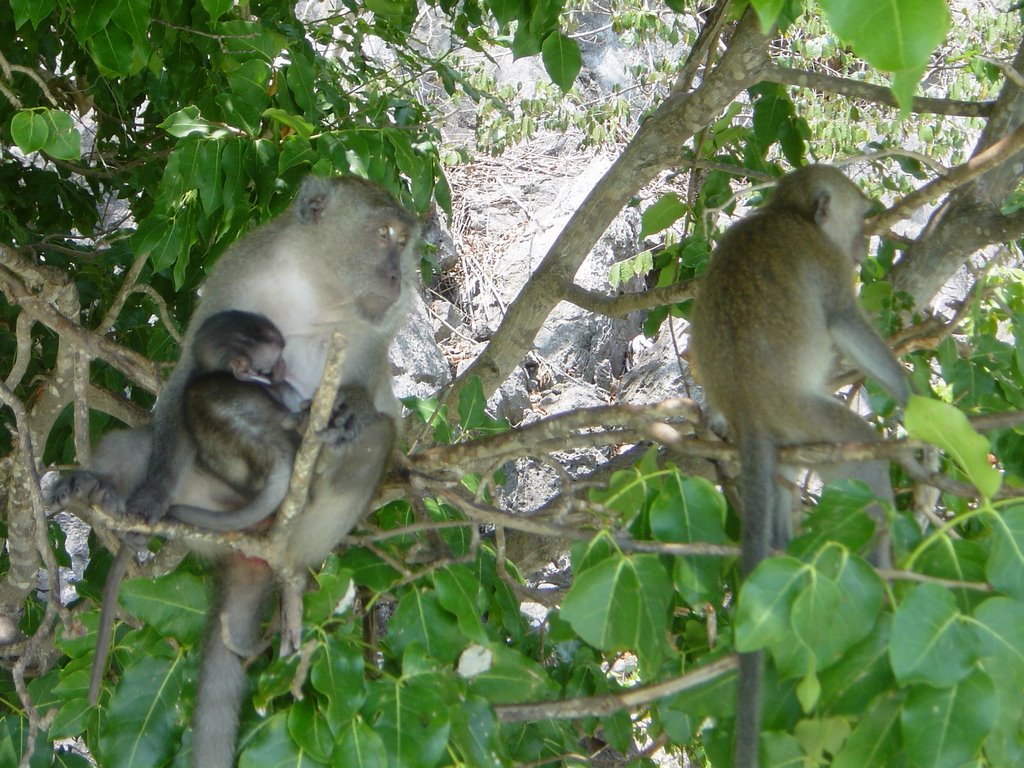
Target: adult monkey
pixel 341 258
pixel 776 304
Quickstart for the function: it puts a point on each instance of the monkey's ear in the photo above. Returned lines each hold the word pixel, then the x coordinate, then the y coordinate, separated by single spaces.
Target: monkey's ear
pixel 822 198
pixel 312 199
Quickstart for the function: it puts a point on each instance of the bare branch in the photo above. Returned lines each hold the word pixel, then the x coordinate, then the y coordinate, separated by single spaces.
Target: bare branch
pixel 597 706
pixel 623 304
pixel 962 174
pixel 857 89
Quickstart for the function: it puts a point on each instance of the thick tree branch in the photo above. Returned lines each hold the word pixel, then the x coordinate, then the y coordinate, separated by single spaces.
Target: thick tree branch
pixel 970 217
pixel 656 146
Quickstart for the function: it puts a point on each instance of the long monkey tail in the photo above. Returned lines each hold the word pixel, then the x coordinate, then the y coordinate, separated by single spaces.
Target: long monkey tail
pixel 760 520
pixel 107 615
pixel 243 587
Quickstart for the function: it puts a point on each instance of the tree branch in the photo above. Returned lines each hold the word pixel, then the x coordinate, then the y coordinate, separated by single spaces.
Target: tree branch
pixel 857 89
pixel 597 706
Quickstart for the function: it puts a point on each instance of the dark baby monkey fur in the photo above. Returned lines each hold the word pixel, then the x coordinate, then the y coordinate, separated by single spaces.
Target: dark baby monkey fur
pixel 242 417
pixel 776 304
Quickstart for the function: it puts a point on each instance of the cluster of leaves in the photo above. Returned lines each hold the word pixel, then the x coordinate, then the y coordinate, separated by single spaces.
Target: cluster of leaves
pixel 863 672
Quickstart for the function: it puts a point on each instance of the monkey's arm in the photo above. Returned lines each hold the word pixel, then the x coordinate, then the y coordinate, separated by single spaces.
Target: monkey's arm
pixel 171 456
pixel 357 446
pixel 855 338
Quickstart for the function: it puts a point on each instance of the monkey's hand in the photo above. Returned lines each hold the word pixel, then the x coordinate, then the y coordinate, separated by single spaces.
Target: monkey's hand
pixel 353 412
pixel 87 488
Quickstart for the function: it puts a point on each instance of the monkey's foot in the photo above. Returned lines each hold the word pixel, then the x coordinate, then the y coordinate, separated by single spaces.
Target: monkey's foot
pixel 82 487
pixel 148 503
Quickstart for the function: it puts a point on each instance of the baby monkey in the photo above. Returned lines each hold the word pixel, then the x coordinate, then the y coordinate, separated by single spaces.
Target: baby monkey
pixel 776 304
pixel 243 418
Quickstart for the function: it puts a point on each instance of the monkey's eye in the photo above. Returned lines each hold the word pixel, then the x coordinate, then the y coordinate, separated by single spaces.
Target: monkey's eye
pixel 403 239
pixel 384 231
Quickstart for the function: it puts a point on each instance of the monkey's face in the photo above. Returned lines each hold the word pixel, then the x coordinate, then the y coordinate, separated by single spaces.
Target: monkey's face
pixel 842 217
pixel 389 268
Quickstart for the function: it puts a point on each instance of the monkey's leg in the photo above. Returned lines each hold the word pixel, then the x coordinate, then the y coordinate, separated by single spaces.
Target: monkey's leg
pixel 244 586
pixel 357 447
pixel 836 423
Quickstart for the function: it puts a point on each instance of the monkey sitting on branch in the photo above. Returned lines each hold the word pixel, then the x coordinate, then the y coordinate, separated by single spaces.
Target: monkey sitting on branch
pixel 776 304
pixel 341 261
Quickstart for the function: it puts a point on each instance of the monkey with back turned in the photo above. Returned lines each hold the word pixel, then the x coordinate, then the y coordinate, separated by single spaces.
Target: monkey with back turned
pixel 341 259
pixel 775 305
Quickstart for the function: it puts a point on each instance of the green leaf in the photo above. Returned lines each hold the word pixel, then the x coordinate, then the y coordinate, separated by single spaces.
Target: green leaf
pixel 301 79
pixel 31 10
pixel 420 619
pixel 459 592
pixel 945 426
pixel 63 140
pixel 89 18
pixel 308 728
pixel 622 604
pixel 412 718
pixel 217 8
pixel 1005 567
pixel 30 130
pixel 839 606
pixel 930 640
pixel 904 88
pixel 893 35
pixel 161 239
pixel 662 214
pixel 863 673
pixel 186 122
pixel 503 675
pixel 562 59
pixel 691 510
pixel 875 739
pixel 248 98
pixel 945 727
pixel 302 127
pixel 999 630
pixel 337 673
pixel 766 598
pixel 142 715
pixel 630 490
pixel 361 747
pixel 114 52
pixel 271 745
pixel 175 605
pixel 841 516
pixel 768 12
pixel 473 405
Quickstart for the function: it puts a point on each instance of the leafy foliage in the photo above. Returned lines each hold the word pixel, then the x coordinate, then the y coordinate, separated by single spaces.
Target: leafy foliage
pixel 169 129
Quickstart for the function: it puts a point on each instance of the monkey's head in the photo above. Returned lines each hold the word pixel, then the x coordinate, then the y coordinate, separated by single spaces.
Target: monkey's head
pixel 824 195
pixel 245 344
pixel 372 240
